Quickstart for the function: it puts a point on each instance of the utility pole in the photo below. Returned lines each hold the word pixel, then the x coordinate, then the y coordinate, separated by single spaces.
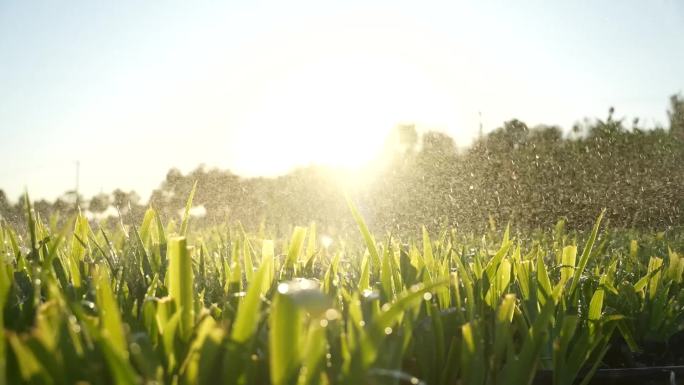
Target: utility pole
pixel 78 170
pixel 480 114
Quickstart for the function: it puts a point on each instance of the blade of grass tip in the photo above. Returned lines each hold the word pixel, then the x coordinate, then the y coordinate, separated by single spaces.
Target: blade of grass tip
pixel 295 248
pixel 471 357
pixel 146 225
pixel 544 282
pixel 180 283
pixel 15 249
pixel 367 236
pixel 186 214
pixel 504 317
pixel 267 258
pixel 31 225
pixel 160 228
pixel 584 259
pixel 655 265
pixel 138 242
pixel 112 327
pixel 506 235
pixel 568 261
pixel 595 308
pixel 101 250
pixel 493 264
pixel 247 318
pixel 386 273
pixel 641 283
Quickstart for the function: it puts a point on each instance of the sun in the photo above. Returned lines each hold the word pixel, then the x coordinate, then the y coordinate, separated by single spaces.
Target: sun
pixel 335 111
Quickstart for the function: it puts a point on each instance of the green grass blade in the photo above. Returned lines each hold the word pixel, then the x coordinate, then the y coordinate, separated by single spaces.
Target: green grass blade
pixel 284 339
pixel 247 318
pixel 186 213
pixel 110 318
pixel 586 253
pixel 365 233
pixel 181 283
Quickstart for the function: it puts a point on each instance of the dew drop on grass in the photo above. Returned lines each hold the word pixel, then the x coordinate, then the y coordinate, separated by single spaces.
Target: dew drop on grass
pixel 332 314
pixel 370 294
pixel 326 241
pixel 283 288
pixel 388 330
pixel 75 328
pixel 135 348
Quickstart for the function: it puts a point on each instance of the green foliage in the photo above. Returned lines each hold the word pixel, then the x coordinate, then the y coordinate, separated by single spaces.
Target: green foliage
pixel 123 306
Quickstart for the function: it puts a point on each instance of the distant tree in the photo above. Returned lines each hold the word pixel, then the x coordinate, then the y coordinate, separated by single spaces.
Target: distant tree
pixel 99 203
pixel 510 136
pixel 5 206
pixel 676 115
pixel 438 143
pixel 402 141
pixel 127 203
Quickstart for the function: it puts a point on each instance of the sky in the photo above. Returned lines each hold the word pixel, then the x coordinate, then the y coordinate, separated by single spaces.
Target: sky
pixel 132 88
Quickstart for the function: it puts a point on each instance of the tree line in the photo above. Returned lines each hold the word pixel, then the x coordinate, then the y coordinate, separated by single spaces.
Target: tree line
pixel 531 176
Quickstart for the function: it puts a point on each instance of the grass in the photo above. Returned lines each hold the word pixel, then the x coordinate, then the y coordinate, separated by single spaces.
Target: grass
pixel 150 305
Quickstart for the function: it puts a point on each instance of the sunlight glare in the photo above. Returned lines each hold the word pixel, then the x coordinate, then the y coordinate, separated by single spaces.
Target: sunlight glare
pixel 338 112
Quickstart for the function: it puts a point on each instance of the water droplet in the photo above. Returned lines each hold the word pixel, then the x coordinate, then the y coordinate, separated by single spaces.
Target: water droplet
pixel 370 294
pixel 326 241
pixel 332 314
pixel 388 330
pixel 283 288
pixel 135 349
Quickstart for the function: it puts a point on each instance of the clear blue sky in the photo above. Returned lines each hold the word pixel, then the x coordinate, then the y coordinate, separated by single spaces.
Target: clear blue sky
pixel 132 88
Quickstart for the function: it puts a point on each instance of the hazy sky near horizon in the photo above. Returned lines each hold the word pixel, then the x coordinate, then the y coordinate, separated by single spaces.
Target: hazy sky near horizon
pixel 133 88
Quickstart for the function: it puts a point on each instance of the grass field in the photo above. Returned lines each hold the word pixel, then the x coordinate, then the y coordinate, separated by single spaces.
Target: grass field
pixel 158 303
